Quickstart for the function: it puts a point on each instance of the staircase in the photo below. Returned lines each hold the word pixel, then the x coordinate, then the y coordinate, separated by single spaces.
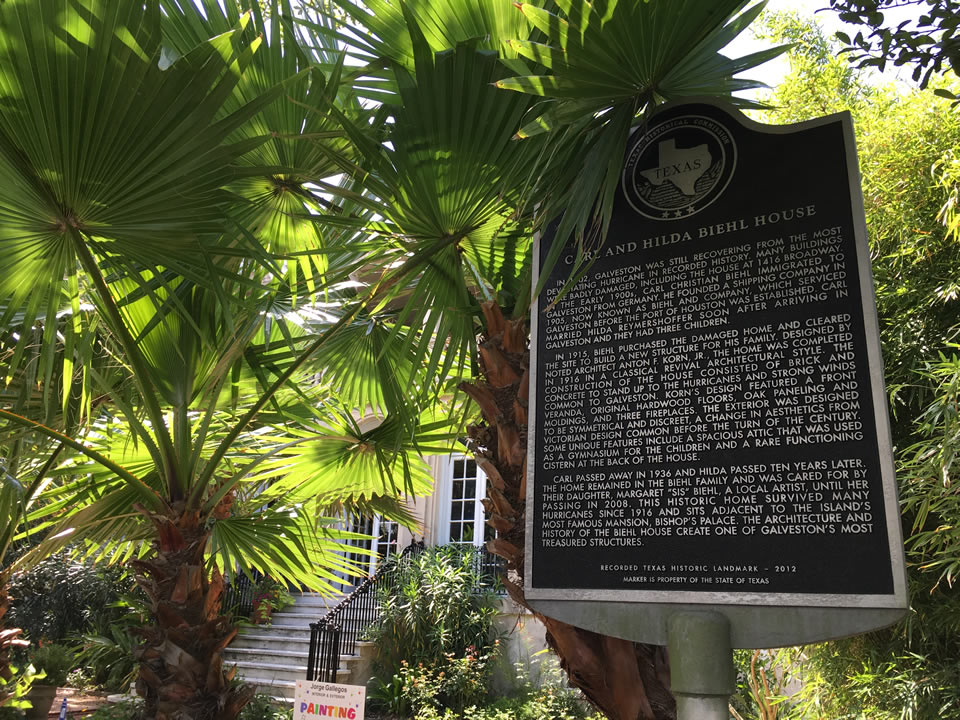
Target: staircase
pixel 273 657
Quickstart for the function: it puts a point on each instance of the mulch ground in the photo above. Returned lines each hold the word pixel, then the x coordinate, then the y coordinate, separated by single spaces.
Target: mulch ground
pixel 79 703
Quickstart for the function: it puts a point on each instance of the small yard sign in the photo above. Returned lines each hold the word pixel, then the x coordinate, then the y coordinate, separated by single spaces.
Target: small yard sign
pixel 328 700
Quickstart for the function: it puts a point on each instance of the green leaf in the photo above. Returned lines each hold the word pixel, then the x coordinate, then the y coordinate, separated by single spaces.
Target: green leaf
pixel 135 157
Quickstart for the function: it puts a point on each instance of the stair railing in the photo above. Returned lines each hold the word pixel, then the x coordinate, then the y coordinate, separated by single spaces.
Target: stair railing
pixel 238 594
pixel 336 634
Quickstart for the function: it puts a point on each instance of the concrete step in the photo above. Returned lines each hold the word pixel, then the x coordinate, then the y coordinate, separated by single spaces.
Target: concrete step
pixel 271 671
pixel 279 629
pixel 266 656
pixel 243 657
pixel 273 657
pixel 277 689
pixel 267 641
pixel 316 610
pixel 313 602
pixel 278 682
pixel 293 619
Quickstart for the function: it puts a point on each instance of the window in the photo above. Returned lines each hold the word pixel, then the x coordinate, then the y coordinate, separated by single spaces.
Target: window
pixel 384 544
pixel 387 537
pixel 468 486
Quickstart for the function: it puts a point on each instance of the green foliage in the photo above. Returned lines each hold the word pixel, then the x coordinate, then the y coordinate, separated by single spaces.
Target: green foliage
pixel 762 676
pixel 432 610
pixel 55 661
pixel 179 293
pixel 491 24
pixel 947 174
pixel 451 682
pixel 269 596
pixel 62 596
pixel 118 711
pixel 819 82
pixel 930 45
pixel 81 680
pixel 929 488
pixel 388 695
pixel 907 143
pixel 458 688
pixel 273 592
pixel 872 677
pixel 119 111
pixel 18 686
pixel 109 645
pixel 917 262
pixel 902 137
pixel 166 163
pixel 543 706
pixel 597 85
pixel 436 636
pixel 262 707
pixel 547 699
pixel 64 599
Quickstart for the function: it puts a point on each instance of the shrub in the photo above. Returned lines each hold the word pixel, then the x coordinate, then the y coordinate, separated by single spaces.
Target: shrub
pixel 263 708
pixel 132 710
pixel 438 649
pixel 452 683
pixel 550 698
pixel 435 607
pixel 269 596
pixel 762 679
pixel 548 704
pixel 55 661
pixel 427 691
pixel 60 598
pixel 437 626
pixel 107 653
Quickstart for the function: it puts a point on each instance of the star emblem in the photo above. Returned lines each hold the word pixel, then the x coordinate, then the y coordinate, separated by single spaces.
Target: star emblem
pixel 677 213
pixel 666 214
pixel 691 210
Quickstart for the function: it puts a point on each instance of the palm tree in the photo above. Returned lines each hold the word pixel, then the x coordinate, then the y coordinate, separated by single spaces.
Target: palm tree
pixel 13 504
pixel 168 190
pixel 154 170
pixel 457 193
pixel 89 173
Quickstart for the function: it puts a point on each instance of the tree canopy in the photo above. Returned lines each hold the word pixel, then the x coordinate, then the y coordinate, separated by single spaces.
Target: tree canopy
pixel 929 44
pixel 907 142
pixel 255 254
pixel 247 246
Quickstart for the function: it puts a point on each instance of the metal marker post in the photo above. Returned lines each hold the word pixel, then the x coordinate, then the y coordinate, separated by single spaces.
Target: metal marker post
pixel 702 676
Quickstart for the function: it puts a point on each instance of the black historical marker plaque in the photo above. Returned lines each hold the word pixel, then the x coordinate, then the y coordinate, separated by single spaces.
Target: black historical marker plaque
pixel 709 421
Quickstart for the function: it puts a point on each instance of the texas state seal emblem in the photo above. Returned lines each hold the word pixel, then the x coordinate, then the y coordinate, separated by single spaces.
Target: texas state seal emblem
pixel 678 167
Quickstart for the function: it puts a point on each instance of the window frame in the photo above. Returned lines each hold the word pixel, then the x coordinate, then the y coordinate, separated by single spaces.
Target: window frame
pixel 445 504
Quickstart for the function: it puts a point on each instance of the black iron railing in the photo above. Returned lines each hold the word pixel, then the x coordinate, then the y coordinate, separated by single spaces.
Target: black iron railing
pixel 238 595
pixel 490 570
pixel 336 634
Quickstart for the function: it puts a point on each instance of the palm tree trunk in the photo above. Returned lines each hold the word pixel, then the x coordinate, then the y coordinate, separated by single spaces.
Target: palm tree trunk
pixel 9 639
pixel 181 661
pixel 626 680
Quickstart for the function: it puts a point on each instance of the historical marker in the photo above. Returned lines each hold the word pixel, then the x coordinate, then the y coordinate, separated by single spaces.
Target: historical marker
pixel 709 424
